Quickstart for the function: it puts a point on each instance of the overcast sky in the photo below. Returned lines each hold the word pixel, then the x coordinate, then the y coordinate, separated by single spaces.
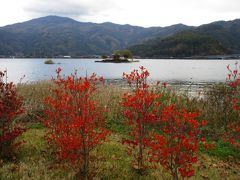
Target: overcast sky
pixel 135 12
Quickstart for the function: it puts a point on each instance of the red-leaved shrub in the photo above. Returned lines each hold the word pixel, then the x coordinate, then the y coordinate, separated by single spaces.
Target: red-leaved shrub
pixel 11 106
pixel 176 134
pixel 233 80
pixel 140 110
pixel 177 144
pixel 75 122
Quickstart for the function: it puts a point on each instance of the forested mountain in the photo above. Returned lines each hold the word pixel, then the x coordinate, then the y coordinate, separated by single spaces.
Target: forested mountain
pixel 53 36
pixel 222 37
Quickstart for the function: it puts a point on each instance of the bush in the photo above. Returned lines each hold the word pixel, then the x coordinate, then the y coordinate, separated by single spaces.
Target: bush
pixel 140 110
pixel 177 145
pixel 11 106
pixel 217 109
pixel 176 132
pixel 234 126
pixel 74 120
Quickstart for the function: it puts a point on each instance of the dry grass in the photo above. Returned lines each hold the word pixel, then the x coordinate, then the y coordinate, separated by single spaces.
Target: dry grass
pixel 34 95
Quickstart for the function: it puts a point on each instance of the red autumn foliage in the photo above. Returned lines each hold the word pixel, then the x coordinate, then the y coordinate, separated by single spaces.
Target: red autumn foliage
pixel 233 80
pixel 177 146
pixel 140 110
pixel 11 106
pixel 234 135
pixel 74 121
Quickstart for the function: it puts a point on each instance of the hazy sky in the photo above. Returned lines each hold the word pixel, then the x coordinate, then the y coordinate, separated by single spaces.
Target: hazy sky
pixel 135 12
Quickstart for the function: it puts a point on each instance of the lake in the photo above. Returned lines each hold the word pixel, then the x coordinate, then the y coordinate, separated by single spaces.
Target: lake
pixel 172 71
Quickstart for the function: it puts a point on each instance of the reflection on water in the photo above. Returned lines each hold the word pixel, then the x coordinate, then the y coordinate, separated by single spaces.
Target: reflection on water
pixel 173 71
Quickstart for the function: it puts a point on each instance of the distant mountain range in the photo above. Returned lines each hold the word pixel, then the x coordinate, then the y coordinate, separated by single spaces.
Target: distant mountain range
pixel 217 38
pixel 53 36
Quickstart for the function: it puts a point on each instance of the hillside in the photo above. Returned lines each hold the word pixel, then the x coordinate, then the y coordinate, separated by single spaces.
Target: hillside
pixel 217 38
pixel 53 36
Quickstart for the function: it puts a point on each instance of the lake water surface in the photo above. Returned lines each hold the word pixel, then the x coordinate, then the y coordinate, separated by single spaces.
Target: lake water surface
pixel 195 71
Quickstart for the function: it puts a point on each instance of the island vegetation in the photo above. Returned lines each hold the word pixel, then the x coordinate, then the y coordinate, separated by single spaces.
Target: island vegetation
pixel 80 127
pixel 119 56
pixel 49 61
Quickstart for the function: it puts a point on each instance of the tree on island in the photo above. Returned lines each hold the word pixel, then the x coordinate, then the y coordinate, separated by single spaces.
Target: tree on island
pixel 127 54
pixel 104 56
pixel 116 56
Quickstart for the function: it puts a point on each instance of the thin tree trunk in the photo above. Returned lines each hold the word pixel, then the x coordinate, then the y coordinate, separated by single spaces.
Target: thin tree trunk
pixel 85 166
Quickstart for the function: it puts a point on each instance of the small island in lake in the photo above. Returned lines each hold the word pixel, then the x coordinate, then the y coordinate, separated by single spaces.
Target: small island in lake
pixel 49 61
pixel 123 56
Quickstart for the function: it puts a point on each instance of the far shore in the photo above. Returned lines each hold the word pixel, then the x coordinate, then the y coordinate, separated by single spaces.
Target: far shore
pixel 210 57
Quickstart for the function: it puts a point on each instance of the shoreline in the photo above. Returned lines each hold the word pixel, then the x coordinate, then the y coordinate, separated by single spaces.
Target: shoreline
pixel 191 89
pixel 135 59
pixel 116 61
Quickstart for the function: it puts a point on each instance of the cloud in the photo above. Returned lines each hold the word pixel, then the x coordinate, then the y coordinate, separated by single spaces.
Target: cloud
pixel 136 12
pixel 70 8
pixel 216 6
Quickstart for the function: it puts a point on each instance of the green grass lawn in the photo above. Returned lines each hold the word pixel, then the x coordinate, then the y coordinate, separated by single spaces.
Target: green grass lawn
pixel 35 161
